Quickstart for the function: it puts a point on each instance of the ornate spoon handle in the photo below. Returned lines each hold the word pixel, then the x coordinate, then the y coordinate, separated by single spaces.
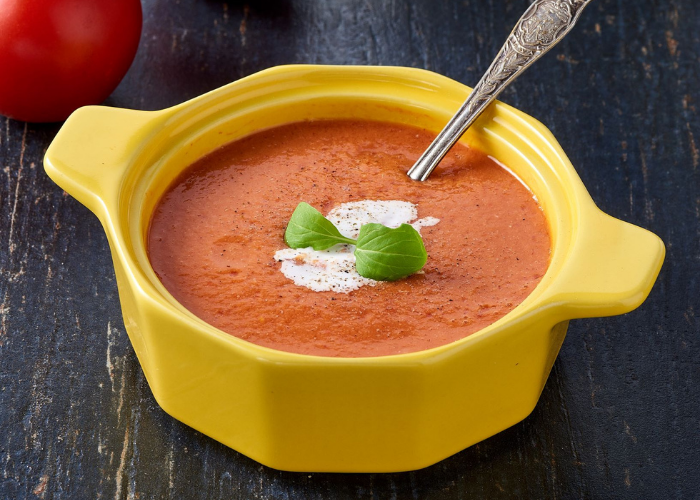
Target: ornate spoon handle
pixel 544 23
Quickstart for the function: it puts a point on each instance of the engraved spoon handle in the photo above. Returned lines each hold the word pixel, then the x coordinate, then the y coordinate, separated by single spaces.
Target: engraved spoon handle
pixel 544 23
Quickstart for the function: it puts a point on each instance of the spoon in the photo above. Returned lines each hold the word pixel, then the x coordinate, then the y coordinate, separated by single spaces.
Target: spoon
pixel 540 28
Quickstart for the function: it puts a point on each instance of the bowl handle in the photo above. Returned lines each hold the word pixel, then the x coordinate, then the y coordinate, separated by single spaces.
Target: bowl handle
pixel 91 152
pixel 610 270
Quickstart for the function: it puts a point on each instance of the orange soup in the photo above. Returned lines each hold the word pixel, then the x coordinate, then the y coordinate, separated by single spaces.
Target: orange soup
pixel 215 233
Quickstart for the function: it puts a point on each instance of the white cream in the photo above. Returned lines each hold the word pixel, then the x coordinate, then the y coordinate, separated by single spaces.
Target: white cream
pixel 333 270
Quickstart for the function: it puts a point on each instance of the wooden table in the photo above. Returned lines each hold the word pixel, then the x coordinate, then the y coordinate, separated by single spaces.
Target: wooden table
pixel 620 414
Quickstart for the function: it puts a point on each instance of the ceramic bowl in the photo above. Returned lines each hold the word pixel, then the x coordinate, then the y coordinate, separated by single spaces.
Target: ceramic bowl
pixel 306 413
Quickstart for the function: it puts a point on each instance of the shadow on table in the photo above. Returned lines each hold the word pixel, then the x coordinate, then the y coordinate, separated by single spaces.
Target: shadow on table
pixel 263 8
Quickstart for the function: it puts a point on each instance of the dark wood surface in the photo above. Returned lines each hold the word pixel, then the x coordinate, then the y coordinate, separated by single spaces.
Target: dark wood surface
pixel 620 414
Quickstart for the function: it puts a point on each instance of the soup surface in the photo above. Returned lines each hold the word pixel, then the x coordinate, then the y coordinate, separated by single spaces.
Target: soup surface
pixel 215 232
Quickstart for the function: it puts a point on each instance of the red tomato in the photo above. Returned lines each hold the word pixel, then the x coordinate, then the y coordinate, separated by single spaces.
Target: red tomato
pixel 58 55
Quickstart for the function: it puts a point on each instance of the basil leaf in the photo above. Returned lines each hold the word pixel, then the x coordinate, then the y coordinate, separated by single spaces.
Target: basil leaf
pixel 388 254
pixel 308 228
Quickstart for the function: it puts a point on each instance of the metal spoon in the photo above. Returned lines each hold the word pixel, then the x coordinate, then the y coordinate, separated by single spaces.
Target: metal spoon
pixel 544 23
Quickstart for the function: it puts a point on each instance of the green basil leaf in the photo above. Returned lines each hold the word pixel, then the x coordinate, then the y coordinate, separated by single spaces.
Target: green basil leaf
pixel 388 254
pixel 309 228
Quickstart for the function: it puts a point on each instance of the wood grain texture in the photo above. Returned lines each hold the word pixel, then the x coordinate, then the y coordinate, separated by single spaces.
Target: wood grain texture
pixel 620 414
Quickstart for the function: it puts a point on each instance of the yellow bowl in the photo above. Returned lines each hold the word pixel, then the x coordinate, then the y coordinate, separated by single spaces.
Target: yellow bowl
pixel 306 413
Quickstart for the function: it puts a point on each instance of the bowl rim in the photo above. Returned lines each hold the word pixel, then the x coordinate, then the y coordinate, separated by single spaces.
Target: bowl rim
pixel 142 279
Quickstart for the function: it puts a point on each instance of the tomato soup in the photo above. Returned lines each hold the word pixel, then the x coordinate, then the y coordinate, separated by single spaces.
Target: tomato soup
pixel 215 233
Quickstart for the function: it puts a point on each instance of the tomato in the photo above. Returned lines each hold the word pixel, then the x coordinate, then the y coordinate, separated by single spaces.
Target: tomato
pixel 58 55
